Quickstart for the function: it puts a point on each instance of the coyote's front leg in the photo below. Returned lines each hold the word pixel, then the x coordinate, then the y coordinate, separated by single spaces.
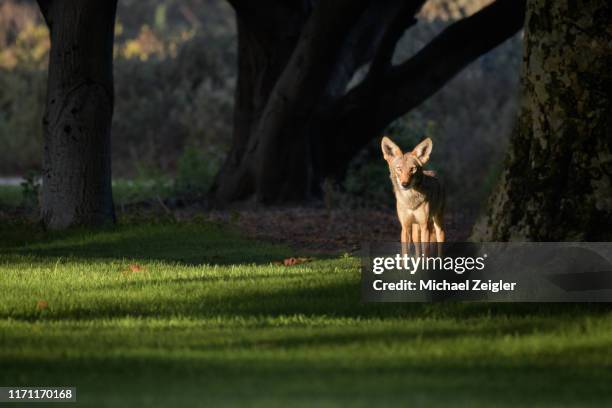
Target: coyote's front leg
pixel 405 237
pixel 421 218
pixel 416 238
pixel 424 238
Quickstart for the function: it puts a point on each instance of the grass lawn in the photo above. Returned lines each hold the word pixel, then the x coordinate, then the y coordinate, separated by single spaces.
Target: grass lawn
pixel 124 192
pixel 209 319
pixel 10 196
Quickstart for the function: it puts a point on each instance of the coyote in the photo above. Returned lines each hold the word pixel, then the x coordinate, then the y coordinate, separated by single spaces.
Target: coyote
pixel 419 193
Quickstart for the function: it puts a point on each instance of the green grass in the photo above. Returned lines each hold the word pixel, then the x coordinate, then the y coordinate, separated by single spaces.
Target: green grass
pixel 10 196
pixel 132 191
pixel 210 320
pixel 124 192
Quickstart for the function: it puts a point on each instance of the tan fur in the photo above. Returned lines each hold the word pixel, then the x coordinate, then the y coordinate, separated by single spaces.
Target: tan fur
pixel 419 193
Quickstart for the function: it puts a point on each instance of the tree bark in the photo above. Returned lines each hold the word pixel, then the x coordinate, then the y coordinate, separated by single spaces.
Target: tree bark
pixel 268 32
pixel 556 184
pixel 254 169
pixel 281 146
pixel 77 123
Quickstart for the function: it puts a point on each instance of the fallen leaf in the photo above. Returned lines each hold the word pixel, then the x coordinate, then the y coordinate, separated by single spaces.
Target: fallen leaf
pixel 42 305
pixel 136 268
pixel 294 261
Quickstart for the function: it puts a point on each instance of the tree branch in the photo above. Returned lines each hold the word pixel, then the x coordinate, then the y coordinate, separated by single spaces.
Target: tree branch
pixel 410 83
pixel 396 28
pixel 421 76
pixel 373 37
pixel 44 5
pixel 370 106
pixel 360 46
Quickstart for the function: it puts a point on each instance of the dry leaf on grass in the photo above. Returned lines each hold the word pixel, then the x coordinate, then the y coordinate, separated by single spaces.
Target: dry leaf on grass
pixel 136 268
pixel 42 305
pixel 295 261
pixel 133 268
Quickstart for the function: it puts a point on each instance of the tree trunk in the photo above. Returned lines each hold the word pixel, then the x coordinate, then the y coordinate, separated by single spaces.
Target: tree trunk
pixel 267 35
pixel 77 123
pixel 252 169
pixel 556 184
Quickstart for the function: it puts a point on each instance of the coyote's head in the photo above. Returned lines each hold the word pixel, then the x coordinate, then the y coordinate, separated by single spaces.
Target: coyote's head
pixel 406 168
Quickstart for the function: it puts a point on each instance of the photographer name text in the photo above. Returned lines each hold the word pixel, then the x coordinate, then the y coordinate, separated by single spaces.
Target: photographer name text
pixel 444 285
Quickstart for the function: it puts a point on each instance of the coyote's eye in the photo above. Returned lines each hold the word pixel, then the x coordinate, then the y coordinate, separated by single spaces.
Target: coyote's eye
pixel 413 169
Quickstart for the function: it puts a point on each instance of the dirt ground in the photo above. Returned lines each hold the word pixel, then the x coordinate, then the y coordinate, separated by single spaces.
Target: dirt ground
pixel 321 230
pixel 306 229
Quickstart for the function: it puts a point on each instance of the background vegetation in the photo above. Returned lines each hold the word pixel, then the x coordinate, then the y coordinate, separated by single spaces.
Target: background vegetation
pixel 174 79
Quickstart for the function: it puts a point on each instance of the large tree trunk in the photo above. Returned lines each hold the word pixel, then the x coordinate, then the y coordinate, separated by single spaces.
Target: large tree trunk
pixel 556 184
pixel 289 75
pixel 285 66
pixel 295 123
pixel 268 32
pixel 77 123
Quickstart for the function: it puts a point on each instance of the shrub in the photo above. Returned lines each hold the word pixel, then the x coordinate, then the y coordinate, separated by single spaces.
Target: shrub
pixel 196 170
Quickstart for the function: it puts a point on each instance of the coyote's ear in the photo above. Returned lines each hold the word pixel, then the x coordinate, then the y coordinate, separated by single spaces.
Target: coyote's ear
pixel 423 150
pixel 389 149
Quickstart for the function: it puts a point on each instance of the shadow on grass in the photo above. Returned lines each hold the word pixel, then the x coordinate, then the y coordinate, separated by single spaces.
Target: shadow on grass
pixel 317 291
pixel 404 382
pixel 327 300
pixel 183 243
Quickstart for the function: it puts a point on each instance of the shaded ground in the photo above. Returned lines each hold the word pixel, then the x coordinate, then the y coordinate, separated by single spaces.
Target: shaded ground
pixel 302 228
pixel 324 230
pixel 307 228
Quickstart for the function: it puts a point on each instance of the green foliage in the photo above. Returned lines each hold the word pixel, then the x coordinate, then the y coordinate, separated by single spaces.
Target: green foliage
pixel 30 190
pixel 173 83
pixel 161 12
pixel 22 107
pixel 196 170
pixel 164 105
pixel 184 315
pixel 149 184
pixel 10 196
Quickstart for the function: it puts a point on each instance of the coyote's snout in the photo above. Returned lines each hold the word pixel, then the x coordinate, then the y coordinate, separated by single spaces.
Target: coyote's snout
pixel 419 193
